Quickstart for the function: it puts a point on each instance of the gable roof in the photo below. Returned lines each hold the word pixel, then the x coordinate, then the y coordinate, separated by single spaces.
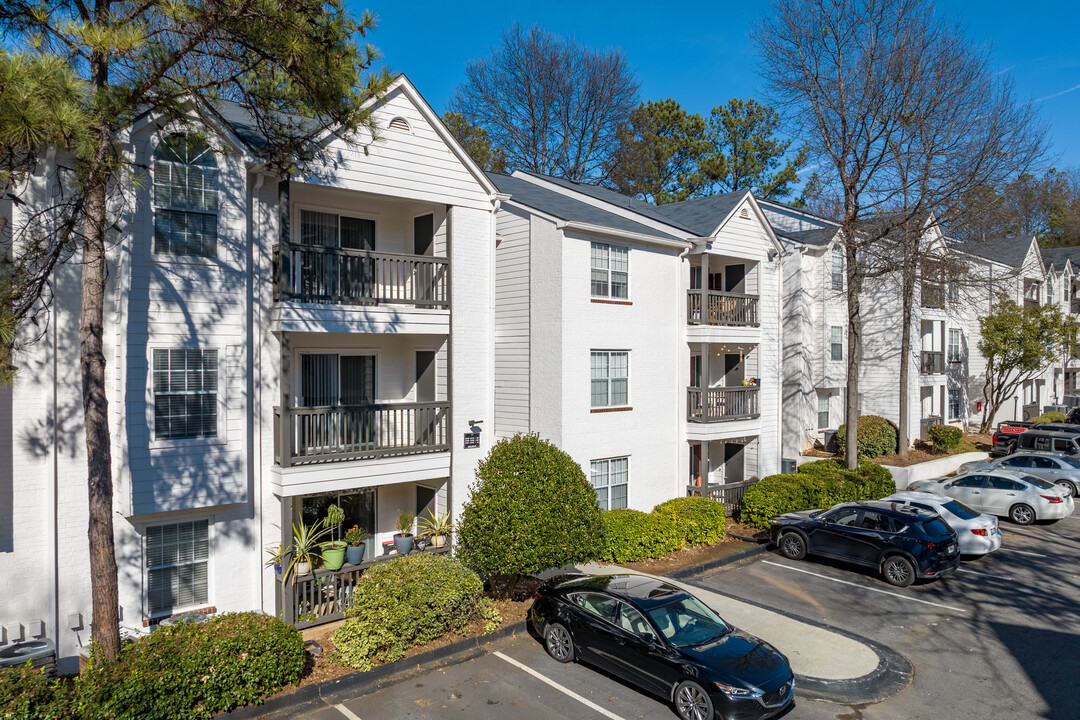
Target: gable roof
pixel 1060 256
pixel 566 208
pixel 819 237
pixel 703 215
pixel 1010 250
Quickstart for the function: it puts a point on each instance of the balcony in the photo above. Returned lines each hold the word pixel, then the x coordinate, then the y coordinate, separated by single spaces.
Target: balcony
pixel 933 363
pixel 340 276
pixel 711 307
pixel 332 434
pixel 1074 305
pixel 1031 302
pixel 723 404
pixel 933 295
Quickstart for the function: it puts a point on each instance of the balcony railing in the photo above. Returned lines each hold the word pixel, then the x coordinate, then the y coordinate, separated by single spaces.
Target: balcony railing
pixel 933 363
pixel 709 307
pixel 925 423
pixel 730 494
pixel 1031 302
pixel 329 275
pixel 933 295
pixel 321 434
pixel 1074 306
pixel 722 404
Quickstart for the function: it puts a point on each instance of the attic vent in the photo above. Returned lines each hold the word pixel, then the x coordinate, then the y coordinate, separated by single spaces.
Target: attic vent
pixel 400 123
pixel 745 213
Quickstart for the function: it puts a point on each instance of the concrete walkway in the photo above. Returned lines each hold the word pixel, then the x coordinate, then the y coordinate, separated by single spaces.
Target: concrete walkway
pixel 814 651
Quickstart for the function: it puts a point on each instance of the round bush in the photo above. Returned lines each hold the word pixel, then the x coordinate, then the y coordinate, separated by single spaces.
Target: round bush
pixel 632 535
pixel 531 509
pixel 194 670
pixel 819 484
pixel 945 437
pixel 409 601
pixel 877 436
pixel 700 520
pixel 26 694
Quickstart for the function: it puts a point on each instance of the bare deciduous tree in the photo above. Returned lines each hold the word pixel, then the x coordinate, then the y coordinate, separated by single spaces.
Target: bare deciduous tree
pixel 552 105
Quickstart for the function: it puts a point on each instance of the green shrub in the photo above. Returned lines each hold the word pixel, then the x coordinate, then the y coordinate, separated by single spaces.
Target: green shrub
pixel 945 437
pixel 26 694
pixel 1051 417
pixel 700 520
pixel 194 670
pixel 632 535
pixel 409 601
pixel 531 509
pixel 877 436
pixel 820 484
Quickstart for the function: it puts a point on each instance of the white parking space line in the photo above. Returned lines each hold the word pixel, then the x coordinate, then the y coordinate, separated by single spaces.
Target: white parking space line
pixel 1022 552
pixel 864 587
pixel 976 572
pixel 566 691
pixel 346 712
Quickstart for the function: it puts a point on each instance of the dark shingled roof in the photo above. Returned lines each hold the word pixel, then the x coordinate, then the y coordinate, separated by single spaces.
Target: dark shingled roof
pixel 817 236
pixel 1057 256
pixel 1007 250
pixel 703 215
pixel 567 208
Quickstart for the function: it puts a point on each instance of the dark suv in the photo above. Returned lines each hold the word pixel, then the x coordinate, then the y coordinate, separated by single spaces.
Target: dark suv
pixel 899 541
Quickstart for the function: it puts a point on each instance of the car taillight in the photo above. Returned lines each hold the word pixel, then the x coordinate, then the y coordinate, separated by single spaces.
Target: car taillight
pixel 538 595
pixel 980 531
pixel 932 545
pixel 1053 498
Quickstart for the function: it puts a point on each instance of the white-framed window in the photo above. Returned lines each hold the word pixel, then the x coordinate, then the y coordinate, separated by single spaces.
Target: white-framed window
pixel 610 271
pixel 1049 288
pixel 333 380
pixel 177 556
pixel 954 403
pixel 837 268
pixel 836 343
pixel 610 378
pixel 185 393
pixel 185 197
pixel 610 479
pixel 955 344
pixel 326 229
pixel 822 410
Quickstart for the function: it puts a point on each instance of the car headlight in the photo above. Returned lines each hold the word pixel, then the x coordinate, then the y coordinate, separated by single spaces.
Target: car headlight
pixel 737 692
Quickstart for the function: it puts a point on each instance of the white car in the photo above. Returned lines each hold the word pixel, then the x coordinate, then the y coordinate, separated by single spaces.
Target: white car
pixel 1021 498
pixel 978 533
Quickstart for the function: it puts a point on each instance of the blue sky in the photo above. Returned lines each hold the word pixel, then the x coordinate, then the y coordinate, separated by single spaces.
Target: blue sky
pixel 702 57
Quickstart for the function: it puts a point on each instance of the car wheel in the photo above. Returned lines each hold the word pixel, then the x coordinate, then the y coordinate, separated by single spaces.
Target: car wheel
pixel 792 545
pixel 692 702
pixel 898 571
pixel 1022 514
pixel 558 642
pixel 1068 487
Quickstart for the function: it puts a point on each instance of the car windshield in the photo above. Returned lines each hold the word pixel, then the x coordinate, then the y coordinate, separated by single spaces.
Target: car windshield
pixel 961 510
pixel 1071 462
pixel 1039 482
pixel 687 621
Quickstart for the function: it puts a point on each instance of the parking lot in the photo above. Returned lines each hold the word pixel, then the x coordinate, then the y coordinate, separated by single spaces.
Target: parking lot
pixel 1000 637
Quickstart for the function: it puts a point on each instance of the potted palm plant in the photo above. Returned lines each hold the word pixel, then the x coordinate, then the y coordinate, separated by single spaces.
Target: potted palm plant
pixel 436 527
pixel 276 553
pixel 333 551
pixel 404 539
pixel 354 544
pixel 305 548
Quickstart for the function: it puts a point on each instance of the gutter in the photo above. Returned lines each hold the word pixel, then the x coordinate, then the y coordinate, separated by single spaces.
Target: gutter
pixel 611 232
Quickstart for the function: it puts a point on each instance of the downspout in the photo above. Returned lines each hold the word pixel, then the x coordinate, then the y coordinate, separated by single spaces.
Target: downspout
pixel 255 378
pixel 680 406
pixel 54 490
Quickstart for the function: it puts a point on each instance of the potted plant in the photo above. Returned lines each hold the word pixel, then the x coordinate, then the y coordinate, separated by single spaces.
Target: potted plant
pixel 277 554
pixel 354 544
pixel 305 548
pixel 404 538
pixel 333 551
pixel 436 527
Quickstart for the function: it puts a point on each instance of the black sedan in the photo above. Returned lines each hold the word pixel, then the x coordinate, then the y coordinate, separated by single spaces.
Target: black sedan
pixel 899 541
pixel 663 640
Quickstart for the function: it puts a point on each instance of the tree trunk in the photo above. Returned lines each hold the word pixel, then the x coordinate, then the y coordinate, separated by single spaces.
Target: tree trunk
pixel 907 299
pixel 854 348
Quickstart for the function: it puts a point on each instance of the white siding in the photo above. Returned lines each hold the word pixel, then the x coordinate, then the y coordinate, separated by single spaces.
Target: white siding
pixel 512 325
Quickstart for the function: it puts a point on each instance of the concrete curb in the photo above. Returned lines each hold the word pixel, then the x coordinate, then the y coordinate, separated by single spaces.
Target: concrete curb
pixel 694 570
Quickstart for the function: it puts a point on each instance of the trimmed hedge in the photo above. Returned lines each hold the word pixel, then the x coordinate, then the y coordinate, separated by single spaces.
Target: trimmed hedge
pixel 632 535
pixel 1051 417
pixel 945 437
pixel 194 670
pixel 877 436
pixel 26 694
pixel 820 484
pixel 701 521
pixel 406 602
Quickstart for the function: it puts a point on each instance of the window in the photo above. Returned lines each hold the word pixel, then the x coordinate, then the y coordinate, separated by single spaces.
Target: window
pixel 610 479
pixel 176 558
pixel 874 521
pixel 330 380
pixel 836 343
pixel 185 198
pixel 843 516
pixel 610 271
pixel 954 404
pixel 954 292
pixel 955 341
pixel 596 604
pixel 822 410
pixel 610 378
pixel 837 269
pixel 185 394
pixel 1049 289
pixel 632 621
pixel 336 231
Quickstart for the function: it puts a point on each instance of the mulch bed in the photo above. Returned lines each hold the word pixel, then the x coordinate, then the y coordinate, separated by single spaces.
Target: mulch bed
pixel 920 453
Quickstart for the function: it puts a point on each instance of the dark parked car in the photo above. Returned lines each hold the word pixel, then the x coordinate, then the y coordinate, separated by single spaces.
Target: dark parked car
pixel 663 640
pixel 899 541
pixel 1073 416
pixel 1045 437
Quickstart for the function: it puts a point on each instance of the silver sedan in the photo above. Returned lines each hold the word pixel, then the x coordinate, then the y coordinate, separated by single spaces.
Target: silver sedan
pixel 978 533
pixel 1021 498
pixel 1062 470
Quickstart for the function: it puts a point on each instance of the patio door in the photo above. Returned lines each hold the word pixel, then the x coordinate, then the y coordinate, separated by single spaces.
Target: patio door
pixel 424 245
pixel 425 393
pixel 342 389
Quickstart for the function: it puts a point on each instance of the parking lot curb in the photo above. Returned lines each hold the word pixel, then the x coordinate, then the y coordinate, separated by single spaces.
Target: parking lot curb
pixel 694 570
pixel 361 683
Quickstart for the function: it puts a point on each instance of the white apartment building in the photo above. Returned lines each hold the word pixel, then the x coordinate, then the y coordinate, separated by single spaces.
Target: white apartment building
pixel 1063 289
pixel 273 347
pixel 643 340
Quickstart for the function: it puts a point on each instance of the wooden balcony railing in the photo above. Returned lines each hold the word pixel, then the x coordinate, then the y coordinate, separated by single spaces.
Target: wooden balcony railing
pixel 709 307
pixel 328 275
pixel 721 404
pixel 730 494
pixel 933 363
pixel 321 434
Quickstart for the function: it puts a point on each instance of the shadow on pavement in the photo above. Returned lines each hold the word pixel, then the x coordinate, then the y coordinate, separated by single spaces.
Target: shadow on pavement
pixel 1051 662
